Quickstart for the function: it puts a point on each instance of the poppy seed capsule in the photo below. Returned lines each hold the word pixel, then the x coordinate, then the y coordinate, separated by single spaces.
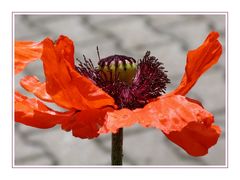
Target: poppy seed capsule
pixel 118 68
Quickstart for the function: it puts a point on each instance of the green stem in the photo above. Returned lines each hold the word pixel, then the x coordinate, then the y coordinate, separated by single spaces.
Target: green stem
pixel 117 147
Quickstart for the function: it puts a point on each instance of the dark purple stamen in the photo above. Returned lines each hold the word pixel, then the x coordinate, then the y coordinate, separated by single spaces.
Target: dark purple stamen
pixel 148 82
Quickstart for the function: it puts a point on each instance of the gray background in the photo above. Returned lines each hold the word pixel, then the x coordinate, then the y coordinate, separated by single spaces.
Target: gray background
pixel 168 37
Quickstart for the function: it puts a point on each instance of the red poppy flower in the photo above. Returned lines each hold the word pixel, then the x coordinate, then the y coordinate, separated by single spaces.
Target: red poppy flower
pixel 118 93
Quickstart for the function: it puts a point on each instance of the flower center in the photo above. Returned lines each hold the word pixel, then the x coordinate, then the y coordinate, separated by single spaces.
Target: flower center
pixel 118 68
pixel 131 84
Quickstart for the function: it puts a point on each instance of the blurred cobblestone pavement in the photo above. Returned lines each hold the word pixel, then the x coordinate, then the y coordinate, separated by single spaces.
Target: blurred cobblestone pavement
pixel 168 37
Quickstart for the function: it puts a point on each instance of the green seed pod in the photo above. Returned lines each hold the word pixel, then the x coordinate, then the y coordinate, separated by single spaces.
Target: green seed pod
pixel 118 67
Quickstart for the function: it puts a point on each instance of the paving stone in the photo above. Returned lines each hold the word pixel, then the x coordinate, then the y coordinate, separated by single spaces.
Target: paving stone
pixel 106 48
pixel 212 88
pixel 105 19
pixel 73 151
pixel 23 151
pixel 173 58
pixel 137 33
pixel 45 18
pixel 217 22
pixel 163 21
pixel 72 27
pixel 193 34
pixel 21 30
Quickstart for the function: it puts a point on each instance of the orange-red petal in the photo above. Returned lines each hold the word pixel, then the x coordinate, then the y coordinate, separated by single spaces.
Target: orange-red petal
pixel 33 85
pixel 65 48
pixel 33 112
pixel 64 84
pixel 199 61
pixel 86 124
pixel 26 52
pixel 183 121
pixel 118 119
pixel 195 138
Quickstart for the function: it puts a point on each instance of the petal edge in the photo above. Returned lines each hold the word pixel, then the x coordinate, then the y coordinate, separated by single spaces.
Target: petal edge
pixel 64 84
pixel 26 52
pixel 198 62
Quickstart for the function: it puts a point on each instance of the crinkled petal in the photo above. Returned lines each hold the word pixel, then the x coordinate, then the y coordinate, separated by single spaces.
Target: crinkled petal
pixel 86 124
pixel 199 61
pixel 118 119
pixel 33 112
pixel 64 84
pixel 26 52
pixel 65 48
pixel 33 85
pixel 183 121
pixel 195 138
